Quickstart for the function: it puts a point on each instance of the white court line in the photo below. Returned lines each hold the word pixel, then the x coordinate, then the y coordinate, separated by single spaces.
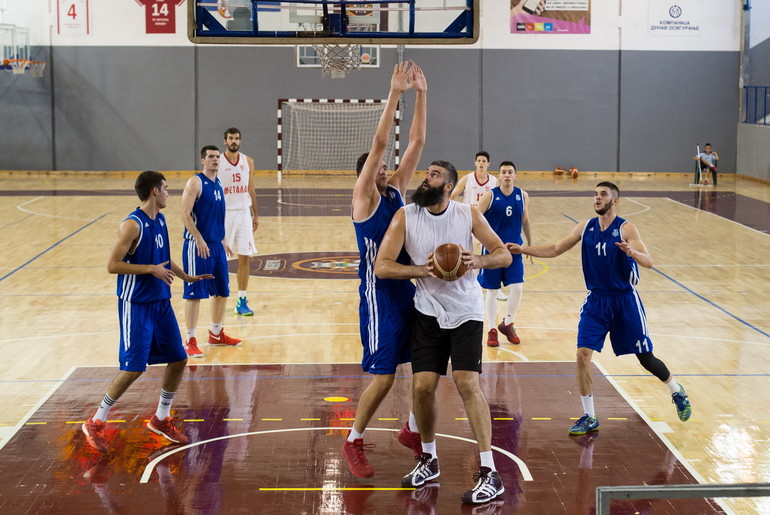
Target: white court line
pixel 521 356
pixel 525 473
pixel 720 217
pixel 20 207
pixel 36 407
pixel 659 434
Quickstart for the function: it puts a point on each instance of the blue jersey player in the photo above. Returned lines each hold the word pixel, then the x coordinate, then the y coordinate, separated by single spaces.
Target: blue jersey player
pixel 149 333
pixel 386 306
pixel 505 208
pixel 612 249
pixel 205 251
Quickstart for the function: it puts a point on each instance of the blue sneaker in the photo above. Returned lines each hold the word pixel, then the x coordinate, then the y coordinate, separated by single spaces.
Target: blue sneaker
pixel 683 408
pixel 585 425
pixel 242 307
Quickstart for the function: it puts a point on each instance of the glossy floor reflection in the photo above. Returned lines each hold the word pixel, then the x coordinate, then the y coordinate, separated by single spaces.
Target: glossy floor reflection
pixel 266 439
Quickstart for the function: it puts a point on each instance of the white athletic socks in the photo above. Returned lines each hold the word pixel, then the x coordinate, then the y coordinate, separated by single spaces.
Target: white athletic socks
pixel 354 435
pixel 490 308
pixel 216 328
pixel 164 404
pixel 588 405
pixel 487 460
pixel 242 294
pixel 514 301
pixel 190 333
pixel 104 408
pixel 413 423
pixel 673 386
pixel 430 448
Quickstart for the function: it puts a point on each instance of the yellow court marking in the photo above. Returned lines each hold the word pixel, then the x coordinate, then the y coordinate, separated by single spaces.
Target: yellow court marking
pixel 387 418
pixel 617 418
pixel 541 418
pixel 504 418
pixel 308 419
pixel 272 419
pixel 115 421
pixel 543 271
pixel 334 489
pixel 233 419
pixel 193 420
pixel 336 399
pixel 35 423
pixel 347 419
pixel 461 418
pixel 75 422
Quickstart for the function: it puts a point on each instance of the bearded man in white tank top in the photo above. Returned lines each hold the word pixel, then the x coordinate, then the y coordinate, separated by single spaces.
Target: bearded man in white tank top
pixel 448 319
pixel 241 218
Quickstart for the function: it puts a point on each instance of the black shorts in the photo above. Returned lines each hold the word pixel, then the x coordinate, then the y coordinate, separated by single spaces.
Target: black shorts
pixel 432 346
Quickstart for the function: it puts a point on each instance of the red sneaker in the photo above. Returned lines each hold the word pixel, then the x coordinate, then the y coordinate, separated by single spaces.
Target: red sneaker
pixel 94 431
pixel 491 340
pixel 223 339
pixel 410 439
pixel 166 429
pixel 191 346
pixel 509 332
pixel 357 462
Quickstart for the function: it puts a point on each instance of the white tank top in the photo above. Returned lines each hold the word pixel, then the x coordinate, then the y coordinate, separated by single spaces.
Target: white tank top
pixel 452 303
pixel 235 181
pixel 473 190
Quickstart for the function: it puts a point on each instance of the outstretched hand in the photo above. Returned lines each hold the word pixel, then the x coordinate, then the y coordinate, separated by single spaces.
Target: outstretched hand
pixel 164 274
pixel 418 78
pixel 402 76
pixel 514 248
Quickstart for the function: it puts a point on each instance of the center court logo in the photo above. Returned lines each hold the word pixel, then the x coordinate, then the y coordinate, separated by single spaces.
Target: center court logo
pixel 304 265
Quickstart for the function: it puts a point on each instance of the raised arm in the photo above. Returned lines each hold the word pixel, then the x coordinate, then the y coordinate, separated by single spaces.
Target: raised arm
pixel 411 159
pixel 386 266
pixel 552 249
pixel 631 243
pixel 460 187
pixel 365 191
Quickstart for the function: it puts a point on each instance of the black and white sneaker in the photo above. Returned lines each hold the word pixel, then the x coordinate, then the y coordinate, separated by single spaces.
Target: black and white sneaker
pixel 488 486
pixel 425 470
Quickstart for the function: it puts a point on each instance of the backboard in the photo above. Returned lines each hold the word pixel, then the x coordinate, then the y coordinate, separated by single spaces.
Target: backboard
pixel 293 22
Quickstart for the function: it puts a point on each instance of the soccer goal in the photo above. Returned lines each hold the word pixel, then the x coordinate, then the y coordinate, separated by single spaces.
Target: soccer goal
pixel 327 135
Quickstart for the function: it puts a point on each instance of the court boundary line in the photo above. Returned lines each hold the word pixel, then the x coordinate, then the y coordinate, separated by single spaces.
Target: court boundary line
pixel 663 438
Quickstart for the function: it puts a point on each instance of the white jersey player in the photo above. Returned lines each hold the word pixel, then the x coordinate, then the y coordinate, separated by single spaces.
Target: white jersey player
pixel 241 218
pixel 474 185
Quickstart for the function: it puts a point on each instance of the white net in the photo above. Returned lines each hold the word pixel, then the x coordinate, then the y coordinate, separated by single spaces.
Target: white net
pixel 337 60
pixel 330 136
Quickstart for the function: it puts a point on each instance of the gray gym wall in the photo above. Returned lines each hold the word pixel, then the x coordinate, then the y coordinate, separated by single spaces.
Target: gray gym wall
pixel 136 108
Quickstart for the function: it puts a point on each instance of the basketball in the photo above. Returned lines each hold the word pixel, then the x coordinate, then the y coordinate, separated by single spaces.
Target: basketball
pixel 448 262
pixel 558 170
pixel 574 171
pixel 366 58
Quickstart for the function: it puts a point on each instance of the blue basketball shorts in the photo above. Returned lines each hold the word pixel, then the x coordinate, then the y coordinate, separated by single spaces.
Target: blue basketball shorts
pixel 215 264
pixel 149 334
pixel 622 316
pixel 512 274
pixel 385 316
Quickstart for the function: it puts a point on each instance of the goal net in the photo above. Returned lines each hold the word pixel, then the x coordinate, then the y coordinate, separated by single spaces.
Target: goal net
pixel 322 135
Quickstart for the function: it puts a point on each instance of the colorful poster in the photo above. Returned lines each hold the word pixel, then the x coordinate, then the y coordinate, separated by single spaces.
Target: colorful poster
pixel 160 15
pixel 550 16
pixel 73 18
pixel 674 18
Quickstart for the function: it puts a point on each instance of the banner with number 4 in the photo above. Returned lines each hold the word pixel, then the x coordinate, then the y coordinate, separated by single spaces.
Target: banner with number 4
pixel 73 18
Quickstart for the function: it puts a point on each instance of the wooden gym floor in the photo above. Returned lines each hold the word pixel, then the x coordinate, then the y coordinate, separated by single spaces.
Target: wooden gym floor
pixel 284 398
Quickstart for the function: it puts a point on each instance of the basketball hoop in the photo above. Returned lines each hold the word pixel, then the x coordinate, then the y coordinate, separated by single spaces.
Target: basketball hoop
pixel 36 69
pixel 337 60
pixel 17 66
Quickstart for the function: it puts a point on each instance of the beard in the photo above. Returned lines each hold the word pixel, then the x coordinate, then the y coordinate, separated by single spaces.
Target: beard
pixel 601 210
pixel 234 147
pixel 429 196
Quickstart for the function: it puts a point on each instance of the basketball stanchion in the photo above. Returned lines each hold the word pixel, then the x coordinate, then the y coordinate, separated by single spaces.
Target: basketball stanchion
pixel 696 173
